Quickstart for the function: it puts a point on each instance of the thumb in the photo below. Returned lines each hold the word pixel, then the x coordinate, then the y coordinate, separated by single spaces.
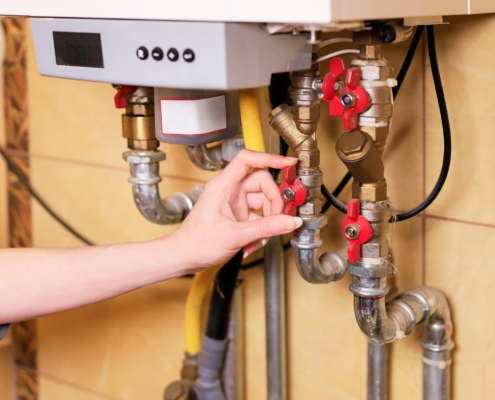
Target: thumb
pixel 266 227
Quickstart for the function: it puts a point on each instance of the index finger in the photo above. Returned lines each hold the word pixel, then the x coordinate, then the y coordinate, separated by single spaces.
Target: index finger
pixel 240 166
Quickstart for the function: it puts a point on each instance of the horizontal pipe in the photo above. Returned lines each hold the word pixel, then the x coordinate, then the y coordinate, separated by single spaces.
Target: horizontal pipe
pixel 206 158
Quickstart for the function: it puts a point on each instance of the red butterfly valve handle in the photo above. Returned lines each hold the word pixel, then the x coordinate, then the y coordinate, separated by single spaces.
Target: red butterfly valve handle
pixel 354 98
pixel 356 229
pixel 293 192
pixel 121 98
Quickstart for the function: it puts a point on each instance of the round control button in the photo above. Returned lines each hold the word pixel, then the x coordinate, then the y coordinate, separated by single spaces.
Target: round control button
pixel 188 55
pixel 142 53
pixel 157 54
pixel 172 54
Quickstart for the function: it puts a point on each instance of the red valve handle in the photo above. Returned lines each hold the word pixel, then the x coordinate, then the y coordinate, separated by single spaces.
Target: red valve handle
pixel 121 98
pixel 292 182
pixel 362 98
pixel 352 86
pixel 336 68
pixel 364 231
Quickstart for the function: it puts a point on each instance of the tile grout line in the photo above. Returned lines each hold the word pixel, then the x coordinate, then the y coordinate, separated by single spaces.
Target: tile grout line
pixel 423 223
pixel 94 165
pixel 460 221
pixel 71 385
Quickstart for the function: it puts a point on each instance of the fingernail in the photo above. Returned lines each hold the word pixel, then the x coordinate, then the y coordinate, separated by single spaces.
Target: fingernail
pixel 289 223
pixel 264 241
pixel 292 158
pixel 247 253
pixel 299 221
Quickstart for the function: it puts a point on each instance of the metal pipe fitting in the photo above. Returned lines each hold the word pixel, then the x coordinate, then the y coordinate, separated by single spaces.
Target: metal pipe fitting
pixel 377 372
pixel 304 146
pixel 206 158
pixel 329 267
pixel 138 123
pixel 357 151
pixel 144 178
pixel 383 323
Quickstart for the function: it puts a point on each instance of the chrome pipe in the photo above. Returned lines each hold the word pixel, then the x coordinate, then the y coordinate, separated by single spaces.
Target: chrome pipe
pixel 377 372
pixel 275 306
pixel 206 158
pixel 436 375
pixel 144 178
pixel 329 267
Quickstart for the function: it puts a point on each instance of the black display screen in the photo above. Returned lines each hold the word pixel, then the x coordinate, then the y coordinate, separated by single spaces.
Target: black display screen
pixel 78 49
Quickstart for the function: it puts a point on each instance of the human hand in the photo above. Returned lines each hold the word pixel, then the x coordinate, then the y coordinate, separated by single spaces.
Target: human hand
pixel 222 221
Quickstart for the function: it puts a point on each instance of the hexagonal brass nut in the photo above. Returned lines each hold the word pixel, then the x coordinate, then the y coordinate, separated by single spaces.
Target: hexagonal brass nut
pixel 143 144
pixel 308 160
pixel 374 73
pixel 306 114
pixel 370 192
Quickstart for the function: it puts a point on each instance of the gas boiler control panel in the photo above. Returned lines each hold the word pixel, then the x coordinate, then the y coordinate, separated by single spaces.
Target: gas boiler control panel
pixel 182 55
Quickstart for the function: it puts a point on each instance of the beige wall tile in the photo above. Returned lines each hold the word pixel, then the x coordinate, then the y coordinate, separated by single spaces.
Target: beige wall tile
pixel 129 347
pixel 466 66
pixel 53 389
pixel 466 276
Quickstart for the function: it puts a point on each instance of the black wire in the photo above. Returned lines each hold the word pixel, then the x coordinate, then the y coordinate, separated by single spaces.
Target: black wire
pixel 408 59
pixel 332 199
pixel 20 175
pixel 447 138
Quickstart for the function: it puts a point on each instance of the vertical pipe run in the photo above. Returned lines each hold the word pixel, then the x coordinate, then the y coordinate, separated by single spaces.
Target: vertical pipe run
pixel 377 372
pixel 275 320
pixel 233 369
pixel 436 374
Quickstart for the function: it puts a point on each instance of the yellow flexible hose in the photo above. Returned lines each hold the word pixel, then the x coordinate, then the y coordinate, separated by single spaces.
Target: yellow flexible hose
pixel 251 121
pixel 253 137
pixel 194 307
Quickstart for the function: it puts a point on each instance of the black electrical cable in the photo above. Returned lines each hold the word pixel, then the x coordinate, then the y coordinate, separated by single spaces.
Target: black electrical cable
pixel 332 198
pixel 24 180
pixel 447 138
pixel 221 298
pixel 408 59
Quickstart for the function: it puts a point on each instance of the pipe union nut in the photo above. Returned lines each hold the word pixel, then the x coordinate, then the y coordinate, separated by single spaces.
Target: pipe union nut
pixel 143 157
pixel 382 270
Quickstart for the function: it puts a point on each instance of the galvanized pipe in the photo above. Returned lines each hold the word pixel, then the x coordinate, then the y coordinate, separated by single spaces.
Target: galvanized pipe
pixel 436 375
pixel 276 350
pixel 377 372
pixel 145 177
pixel 206 158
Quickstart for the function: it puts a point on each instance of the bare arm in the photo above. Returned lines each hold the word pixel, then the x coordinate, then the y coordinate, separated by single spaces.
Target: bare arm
pixel 36 282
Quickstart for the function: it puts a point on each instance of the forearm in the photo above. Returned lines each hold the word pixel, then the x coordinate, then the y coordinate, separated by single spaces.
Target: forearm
pixel 36 282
